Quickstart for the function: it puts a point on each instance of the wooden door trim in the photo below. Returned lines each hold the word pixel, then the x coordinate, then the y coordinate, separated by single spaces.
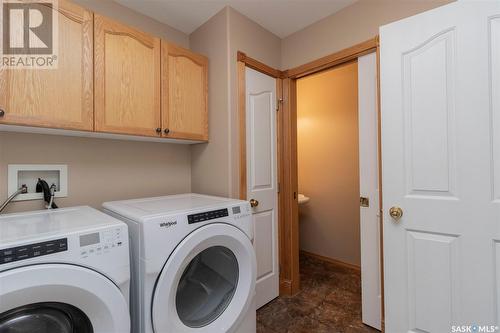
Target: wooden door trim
pixel 242 129
pixel 289 190
pixel 289 155
pixel 258 66
pixel 285 286
pixel 333 59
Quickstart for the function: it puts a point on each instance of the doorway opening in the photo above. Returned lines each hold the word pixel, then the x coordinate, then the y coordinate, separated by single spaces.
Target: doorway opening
pixel 337 183
pixel 328 165
pixel 293 285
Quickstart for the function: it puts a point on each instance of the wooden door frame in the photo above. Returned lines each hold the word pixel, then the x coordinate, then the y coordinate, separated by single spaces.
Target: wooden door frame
pixel 243 61
pixel 290 108
pixel 288 221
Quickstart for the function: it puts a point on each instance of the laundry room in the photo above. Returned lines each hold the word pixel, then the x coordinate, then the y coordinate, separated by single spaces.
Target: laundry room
pixel 249 166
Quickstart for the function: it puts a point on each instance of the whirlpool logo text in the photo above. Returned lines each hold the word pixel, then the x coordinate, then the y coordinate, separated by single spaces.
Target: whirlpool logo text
pixel 168 224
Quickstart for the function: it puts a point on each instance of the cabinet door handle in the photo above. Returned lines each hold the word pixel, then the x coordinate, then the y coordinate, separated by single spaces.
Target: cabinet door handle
pixel 2 113
pixel 166 131
pixel 158 130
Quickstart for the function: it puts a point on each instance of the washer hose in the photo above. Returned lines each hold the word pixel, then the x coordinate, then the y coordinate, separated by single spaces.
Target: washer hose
pixel 23 189
pixel 48 193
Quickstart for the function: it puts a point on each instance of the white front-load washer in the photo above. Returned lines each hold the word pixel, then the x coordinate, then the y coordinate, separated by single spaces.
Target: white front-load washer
pixel 64 271
pixel 193 263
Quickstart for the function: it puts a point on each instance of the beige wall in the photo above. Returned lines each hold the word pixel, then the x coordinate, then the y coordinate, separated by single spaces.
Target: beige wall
pixel 352 25
pixel 210 162
pixel 247 36
pixel 142 22
pixel 328 163
pixel 99 170
pixel 215 165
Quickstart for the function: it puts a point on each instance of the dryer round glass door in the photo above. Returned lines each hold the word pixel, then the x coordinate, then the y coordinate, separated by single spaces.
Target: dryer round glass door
pixel 208 282
pixel 60 298
pixel 207 286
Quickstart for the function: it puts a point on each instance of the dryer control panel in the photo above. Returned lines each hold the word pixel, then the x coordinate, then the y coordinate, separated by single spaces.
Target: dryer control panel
pixel 33 250
pixel 237 212
pixel 207 216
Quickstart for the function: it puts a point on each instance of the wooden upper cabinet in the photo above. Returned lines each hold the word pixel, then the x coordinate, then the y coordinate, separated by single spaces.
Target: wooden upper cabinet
pixel 127 79
pixel 62 97
pixel 184 93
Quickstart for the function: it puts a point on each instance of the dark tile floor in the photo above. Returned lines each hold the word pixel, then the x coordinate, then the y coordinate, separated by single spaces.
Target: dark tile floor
pixel 329 302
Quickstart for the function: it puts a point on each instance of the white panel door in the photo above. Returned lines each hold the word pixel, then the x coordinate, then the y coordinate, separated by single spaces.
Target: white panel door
pixel 440 90
pixel 262 180
pixel 369 188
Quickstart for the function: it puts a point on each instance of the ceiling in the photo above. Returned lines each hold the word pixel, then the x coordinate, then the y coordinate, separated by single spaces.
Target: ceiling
pixel 281 17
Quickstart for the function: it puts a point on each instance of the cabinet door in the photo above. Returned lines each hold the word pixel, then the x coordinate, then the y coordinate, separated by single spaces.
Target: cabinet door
pixel 61 97
pixel 127 79
pixel 184 93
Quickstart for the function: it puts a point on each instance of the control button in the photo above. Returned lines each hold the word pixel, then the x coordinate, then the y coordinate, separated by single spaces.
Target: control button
pixel 33 250
pixel 5 260
pixel 21 250
pixel 119 243
pixel 7 252
pixel 22 256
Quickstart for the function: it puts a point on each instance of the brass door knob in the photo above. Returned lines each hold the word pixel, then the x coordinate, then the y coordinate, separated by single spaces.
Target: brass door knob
pixel 396 213
pixel 254 203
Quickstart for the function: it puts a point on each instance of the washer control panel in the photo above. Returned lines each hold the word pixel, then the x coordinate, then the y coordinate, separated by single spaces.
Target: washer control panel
pixel 99 243
pixel 33 250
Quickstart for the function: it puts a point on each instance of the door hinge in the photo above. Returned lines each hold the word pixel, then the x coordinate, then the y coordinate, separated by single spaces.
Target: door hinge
pixel 279 187
pixel 278 103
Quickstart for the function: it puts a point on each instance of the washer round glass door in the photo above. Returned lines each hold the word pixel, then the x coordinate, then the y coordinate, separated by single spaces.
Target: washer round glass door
pixel 46 317
pixel 208 282
pixel 60 298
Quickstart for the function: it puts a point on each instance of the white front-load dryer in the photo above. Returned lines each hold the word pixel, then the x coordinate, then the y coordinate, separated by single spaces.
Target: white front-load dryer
pixel 194 265
pixel 64 271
